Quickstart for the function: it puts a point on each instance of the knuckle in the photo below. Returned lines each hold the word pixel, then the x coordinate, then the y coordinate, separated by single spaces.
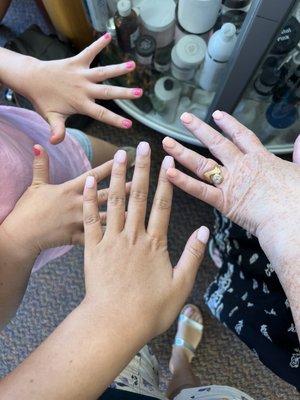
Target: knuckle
pixel 194 251
pixel 141 164
pixel 100 114
pixel 107 92
pixel 201 165
pixel 237 133
pixel 116 199
pixel 91 219
pixel 117 172
pixel 139 196
pixel 162 203
pixel 218 140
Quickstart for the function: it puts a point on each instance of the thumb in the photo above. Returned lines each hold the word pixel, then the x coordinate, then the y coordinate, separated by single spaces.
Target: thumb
pixel 40 173
pixel 57 126
pixel 296 154
pixel 186 270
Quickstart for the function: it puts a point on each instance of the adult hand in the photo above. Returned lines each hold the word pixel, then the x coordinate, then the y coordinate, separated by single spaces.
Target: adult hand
pixel 128 269
pixel 60 88
pixel 51 215
pixel 260 191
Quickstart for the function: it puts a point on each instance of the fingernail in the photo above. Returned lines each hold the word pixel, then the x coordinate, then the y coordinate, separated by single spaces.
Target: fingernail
pixel 137 92
pixel 90 181
pixel 218 114
pixel 168 142
pixel 143 149
pixel 126 123
pixel 107 36
pixel 130 64
pixel 36 151
pixel 168 162
pixel 203 234
pixel 186 118
pixel 171 172
pixel 120 156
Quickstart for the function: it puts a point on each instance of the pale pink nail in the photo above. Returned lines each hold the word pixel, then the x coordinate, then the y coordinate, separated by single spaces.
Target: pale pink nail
pixel 137 92
pixel 168 162
pixel 186 118
pixel 218 115
pixel 107 36
pixel 90 181
pixel 126 123
pixel 143 149
pixel 130 64
pixel 203 234
pixel 168 142
pixel 120 156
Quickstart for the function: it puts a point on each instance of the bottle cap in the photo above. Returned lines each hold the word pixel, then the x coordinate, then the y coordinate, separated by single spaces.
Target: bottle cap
pixel 124 8
pixel 270 76
pixel 157 15
pixel 288 38
pixel 236 3
pixel 145 45
pixel 168 84
pixel 189 51
pixel 236 17
pixel 228 31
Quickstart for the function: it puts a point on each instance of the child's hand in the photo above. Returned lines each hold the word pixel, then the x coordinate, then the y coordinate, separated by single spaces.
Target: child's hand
pixel 60 88
pixel 51 215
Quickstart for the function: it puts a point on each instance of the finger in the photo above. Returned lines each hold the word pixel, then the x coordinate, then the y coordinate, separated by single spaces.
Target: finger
pixel 162 203
pixel 296 153
pixel 90 52
pixel 201 190
pixel 57 126
pixel 218 145
pixel 117 194
pixel 91 218
pixel 108 117
pixel 40 172
pixel 243 137
pixel 99 173
pixel 108 92
pixel 188 158
pixel 100 74
pixel 139 190
pixel 186 270
pixel 103 193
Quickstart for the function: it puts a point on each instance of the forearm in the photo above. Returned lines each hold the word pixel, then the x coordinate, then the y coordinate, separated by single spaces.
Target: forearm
pixel 15 269
pixel 16 69
pixel 77 361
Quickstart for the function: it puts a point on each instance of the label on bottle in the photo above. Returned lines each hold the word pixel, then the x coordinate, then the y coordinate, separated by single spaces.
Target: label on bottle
pixel 133 38
pixel 162 67
pixel 144 60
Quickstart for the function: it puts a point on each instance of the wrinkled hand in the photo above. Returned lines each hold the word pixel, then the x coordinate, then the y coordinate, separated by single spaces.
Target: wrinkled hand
pixel 51 215
pixel 128 269
pixel 60 88
pixel 260 191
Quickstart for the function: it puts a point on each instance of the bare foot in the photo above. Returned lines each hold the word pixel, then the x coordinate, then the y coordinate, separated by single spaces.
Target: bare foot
pixel 191 335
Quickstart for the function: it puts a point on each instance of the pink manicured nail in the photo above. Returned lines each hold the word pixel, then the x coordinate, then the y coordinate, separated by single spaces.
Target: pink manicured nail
pixel 126 123
pixel 36 151
pixel 171 172
pixel 186 118
pixel 120 156
pixel 143 149
pixel 168 162
pixel 90 181
pixel 203 234
pixel 107 36
pixel 168 142
pixel 218 114
pixel 130 64
pixel 137 92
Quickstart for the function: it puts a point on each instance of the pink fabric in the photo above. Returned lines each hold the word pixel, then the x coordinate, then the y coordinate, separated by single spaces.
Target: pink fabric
pixel 19 130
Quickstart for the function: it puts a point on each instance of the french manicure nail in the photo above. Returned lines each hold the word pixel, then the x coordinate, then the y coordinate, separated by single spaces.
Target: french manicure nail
pixel 107 36
pixel 218 115
pixel 168 142
pixel 203 234
pixel 168 162
pixel 126 123
pixel 129 64
pixel 36 151
pixel 143 149
pixel 90 181
pixel 137 92
pixel 186 118
pixel 120 156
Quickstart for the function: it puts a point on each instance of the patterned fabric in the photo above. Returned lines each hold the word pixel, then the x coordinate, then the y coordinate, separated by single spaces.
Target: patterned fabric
pixel 247 297
pixel 141 377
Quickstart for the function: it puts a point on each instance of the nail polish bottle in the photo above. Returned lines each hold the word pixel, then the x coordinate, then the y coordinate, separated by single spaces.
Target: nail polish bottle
pixel 127 28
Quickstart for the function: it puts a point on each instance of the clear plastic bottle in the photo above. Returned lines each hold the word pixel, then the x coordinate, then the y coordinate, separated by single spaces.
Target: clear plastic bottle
pixel 127 28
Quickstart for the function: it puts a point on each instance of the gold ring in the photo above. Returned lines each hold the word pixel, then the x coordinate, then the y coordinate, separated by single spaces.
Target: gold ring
pixel 214 176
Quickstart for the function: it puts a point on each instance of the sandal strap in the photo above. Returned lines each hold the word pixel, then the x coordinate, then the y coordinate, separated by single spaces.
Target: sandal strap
pixel 194 324
pixel 179 342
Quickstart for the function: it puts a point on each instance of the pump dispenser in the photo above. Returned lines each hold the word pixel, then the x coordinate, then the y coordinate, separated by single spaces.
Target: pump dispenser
pixel 219 50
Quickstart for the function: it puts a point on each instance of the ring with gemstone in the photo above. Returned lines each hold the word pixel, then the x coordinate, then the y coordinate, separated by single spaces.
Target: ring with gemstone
pixel 214 176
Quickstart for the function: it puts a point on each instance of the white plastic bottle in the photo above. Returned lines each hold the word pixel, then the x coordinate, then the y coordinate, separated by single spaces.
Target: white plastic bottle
pixel 219 50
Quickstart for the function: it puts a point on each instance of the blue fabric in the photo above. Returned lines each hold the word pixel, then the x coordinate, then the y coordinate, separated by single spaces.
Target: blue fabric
pixel 84 142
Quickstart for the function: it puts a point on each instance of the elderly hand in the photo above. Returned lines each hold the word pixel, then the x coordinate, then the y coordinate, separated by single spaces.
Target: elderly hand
pixel 60 88
pixel 128 269
pixel 260 191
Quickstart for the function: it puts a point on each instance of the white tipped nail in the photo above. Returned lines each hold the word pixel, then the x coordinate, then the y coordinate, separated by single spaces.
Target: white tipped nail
pixel 90 181
pixel 218 115
pixel 203 234
pixel 120 156
pixel 168 162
